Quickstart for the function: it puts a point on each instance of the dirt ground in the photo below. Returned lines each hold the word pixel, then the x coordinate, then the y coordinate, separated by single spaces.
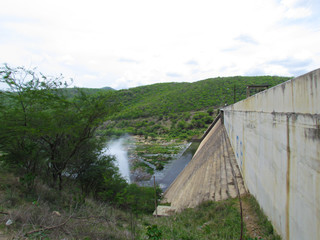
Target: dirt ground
pixel 2 236
pixel 250 219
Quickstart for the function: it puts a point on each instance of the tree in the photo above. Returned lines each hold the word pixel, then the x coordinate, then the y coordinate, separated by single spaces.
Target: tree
pixel 44 132
pixel 24 104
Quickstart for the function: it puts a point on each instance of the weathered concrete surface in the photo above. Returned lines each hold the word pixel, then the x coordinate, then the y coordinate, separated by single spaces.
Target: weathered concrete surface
pixel 276 139
pixel 163 211
pixel 299 95
pixel 209 175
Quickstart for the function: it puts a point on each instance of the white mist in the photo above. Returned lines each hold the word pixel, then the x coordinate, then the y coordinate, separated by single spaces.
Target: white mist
pixel 118 150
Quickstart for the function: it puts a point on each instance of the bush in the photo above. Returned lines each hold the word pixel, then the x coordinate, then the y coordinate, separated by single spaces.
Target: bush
pixel 138 199
pixel 153 232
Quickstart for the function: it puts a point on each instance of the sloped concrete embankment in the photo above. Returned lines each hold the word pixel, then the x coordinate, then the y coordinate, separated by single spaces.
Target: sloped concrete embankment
pixel 276 139
pixel 210 175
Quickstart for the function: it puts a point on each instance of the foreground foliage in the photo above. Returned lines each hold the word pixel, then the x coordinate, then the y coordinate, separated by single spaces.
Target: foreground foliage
pixel 49 214
pixel 212 220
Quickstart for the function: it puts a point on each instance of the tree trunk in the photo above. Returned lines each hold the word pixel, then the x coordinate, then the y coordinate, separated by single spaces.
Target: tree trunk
pixel 60 181
pixel 54 180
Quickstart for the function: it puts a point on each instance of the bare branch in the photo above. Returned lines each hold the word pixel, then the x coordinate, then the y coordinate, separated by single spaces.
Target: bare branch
pixel 48 228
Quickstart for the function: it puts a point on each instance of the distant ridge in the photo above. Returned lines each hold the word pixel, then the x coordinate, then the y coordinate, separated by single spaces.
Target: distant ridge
pixel 108 88
pixel 162 99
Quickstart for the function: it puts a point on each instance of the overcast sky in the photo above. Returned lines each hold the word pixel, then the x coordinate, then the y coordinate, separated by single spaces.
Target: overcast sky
pixel 128 43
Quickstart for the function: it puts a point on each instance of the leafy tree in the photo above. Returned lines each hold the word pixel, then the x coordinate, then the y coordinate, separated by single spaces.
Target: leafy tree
pixel 44 132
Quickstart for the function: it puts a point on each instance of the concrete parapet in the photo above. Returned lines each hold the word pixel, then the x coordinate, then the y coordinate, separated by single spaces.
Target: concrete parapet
pixel 299 95
pixel 275 135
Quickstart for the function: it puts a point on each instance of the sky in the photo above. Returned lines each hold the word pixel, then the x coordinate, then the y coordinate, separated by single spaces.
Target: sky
pixel 128 43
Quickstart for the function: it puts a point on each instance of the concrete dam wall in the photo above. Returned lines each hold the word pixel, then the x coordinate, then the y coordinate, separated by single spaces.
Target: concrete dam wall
pixel 212 174
pixel 275 136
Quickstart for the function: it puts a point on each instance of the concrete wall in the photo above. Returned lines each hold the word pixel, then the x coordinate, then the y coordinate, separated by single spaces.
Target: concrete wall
pixel 276 139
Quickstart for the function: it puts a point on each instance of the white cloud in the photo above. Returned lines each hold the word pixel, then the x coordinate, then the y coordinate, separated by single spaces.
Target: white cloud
pixel 298 9
pixel 297 13
pixel 128 43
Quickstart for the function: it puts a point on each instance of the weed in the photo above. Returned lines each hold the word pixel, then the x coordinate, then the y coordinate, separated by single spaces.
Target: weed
pixel 210 220
pixel 153 232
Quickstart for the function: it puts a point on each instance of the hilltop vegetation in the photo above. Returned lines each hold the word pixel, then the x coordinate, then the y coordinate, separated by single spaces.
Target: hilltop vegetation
pixel 179 110
pixel 166 98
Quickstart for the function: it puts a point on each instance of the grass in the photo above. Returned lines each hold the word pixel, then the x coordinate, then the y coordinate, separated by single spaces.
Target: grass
pixel 210 220
pixel 90 220
pixel 48 214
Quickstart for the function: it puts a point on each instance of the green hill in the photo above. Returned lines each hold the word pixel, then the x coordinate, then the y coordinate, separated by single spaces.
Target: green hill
pixel 108 88
pixel 179 110
pixel 74 91
pixel 166 98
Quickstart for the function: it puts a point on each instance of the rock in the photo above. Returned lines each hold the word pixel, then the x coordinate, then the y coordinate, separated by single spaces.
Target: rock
pixel 56 213
pixel 164 211
pixel 9 222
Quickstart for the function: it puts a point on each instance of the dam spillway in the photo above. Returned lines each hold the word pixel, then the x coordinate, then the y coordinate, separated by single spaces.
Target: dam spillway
pixel 212 174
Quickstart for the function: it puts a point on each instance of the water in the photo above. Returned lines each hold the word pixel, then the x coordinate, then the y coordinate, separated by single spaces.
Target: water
pixel 173 169
pixel 117 148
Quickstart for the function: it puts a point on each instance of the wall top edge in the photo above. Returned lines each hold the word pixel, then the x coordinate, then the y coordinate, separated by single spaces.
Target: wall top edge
pixel 299 94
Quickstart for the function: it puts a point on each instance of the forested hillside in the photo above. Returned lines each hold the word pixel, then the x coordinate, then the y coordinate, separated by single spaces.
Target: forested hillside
pixel 164 98
pixel 179 110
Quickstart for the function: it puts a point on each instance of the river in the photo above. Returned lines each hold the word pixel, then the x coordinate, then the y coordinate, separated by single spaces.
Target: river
pixel 119 148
